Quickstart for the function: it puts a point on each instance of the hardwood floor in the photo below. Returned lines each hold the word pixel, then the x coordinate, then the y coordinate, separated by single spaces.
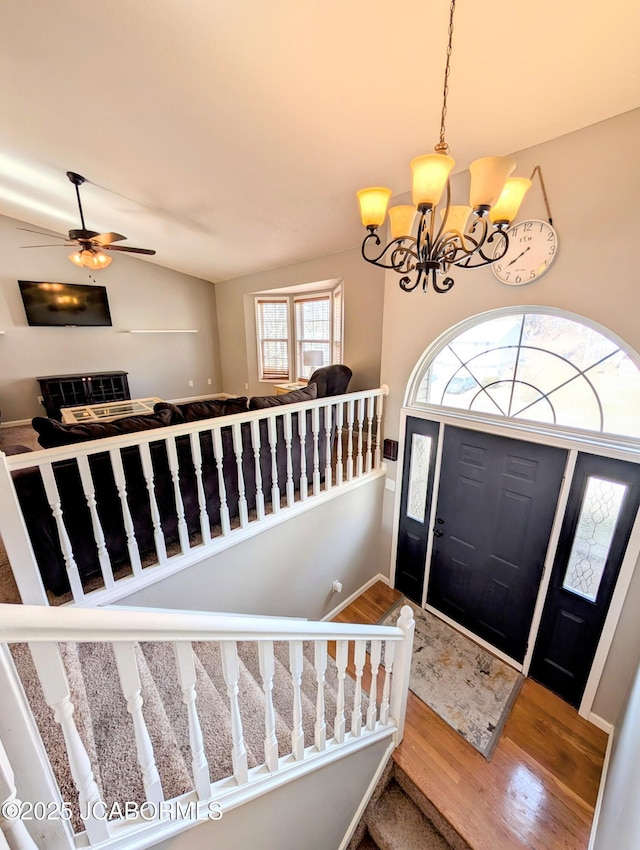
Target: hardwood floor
pixel 539 789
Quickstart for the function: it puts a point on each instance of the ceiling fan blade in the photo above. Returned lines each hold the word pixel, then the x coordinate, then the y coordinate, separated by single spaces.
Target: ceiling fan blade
pixel 40 233
pixel 51 245
pixel 129 250
pixel 107 238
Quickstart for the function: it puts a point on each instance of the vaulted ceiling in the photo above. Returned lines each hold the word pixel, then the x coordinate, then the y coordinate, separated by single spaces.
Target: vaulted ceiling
pixel 231 135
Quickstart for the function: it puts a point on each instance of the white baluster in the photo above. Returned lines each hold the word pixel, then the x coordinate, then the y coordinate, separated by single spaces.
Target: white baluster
pixel 196 454
pixel 321 667
pixel 350 417
pixel 369 433
pixel 339 425
pixel 302 429
pixel 389 653
pixel 242 496
pixel 273 445
pixel 295 665
pixel 225 521
pixel 121 485
pixel 267 672
pixel 342 648
pixel 98 533
pixel 230 671
pixel 315 428
pixel 256 444
pixel 379 408
pixel 402 670
pixel 187 677
pixel 51 672
pixel 376 651
pixel 356 714
pixel 132 689
pixel 327 410
pixel 288 436
pixel 174 469
pixel 360 429
pixel 53 497
pixel 147 471
pixel 13 829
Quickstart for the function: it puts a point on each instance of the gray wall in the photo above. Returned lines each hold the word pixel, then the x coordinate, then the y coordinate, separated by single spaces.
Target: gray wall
pixel 363 301
pixel 286 571
pixel 619 821
pixel 594 203
pixel 312 813
pixel 141 295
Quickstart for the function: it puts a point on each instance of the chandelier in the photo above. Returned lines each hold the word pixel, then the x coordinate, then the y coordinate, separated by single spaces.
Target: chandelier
pixel 466 236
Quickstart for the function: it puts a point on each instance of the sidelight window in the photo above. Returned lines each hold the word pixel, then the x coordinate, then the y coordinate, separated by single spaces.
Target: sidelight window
pixel 419 476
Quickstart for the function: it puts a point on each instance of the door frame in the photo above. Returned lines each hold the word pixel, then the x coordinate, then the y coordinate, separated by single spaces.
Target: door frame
pixel 564 438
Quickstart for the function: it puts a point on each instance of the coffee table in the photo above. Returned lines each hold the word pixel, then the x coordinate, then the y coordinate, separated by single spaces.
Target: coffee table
pixel 108 411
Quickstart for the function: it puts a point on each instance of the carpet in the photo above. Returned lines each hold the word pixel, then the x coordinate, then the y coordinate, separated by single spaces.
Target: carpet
pixel 467 686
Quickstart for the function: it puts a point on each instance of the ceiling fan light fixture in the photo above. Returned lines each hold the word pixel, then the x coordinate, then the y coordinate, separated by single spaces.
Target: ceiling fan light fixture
pixel 90 258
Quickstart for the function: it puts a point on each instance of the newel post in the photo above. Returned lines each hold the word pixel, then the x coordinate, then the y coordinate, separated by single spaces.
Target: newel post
pixel 402 670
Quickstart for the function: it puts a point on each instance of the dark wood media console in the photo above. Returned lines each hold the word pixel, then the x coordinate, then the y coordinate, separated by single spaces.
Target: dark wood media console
pixel 68 390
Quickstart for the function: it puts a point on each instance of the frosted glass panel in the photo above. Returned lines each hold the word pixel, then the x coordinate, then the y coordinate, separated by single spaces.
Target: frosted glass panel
pixel 596 526
pixel 418 476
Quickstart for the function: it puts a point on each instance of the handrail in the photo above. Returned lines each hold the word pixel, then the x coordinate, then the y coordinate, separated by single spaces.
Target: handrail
pixel 38 624
pixel 29 459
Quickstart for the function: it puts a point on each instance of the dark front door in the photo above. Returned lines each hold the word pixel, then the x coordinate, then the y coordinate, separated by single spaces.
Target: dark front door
pixel 415 506
pixel 601 509
pixel 496 505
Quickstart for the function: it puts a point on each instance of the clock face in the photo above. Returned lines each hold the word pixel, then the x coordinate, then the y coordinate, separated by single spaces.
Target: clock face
pixel 532 249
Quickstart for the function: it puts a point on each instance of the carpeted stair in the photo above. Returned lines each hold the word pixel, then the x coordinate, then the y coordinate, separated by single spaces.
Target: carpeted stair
pixel 400 817
pixel 105 726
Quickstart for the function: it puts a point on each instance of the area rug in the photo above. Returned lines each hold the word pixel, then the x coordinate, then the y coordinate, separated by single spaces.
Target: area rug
pixel 468 687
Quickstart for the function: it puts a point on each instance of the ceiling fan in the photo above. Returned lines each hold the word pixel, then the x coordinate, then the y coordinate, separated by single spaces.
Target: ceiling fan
pixel 90 245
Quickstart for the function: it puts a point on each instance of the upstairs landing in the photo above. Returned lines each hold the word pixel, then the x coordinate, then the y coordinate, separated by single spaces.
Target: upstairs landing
pixel 538 791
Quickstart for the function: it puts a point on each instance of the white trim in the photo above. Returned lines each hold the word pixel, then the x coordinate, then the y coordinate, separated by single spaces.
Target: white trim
pixel 15 422
pixel 432 515
pixel 367 796
pixel 603 782
pixel 469 634
pixel 602 724
pixel 335 611
pixel 550 557
pixel 613 615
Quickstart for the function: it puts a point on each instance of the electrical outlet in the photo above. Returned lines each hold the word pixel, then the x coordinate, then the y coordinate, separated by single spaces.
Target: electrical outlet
pixel 190 383
pixel 209 381
pixel 246 386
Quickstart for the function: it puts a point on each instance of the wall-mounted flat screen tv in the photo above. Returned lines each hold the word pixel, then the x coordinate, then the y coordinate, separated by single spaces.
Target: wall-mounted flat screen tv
pixel 65 304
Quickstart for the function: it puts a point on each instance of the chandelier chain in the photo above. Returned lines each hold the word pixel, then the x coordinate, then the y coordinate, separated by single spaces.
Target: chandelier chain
pixel 445 90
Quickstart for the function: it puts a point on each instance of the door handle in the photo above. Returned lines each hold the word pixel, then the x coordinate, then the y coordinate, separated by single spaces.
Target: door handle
pixel 437 533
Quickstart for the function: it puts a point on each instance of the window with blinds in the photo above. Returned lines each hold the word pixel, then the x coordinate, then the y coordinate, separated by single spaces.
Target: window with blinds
pixel 273 338
pixel 313 333
pixel 337 324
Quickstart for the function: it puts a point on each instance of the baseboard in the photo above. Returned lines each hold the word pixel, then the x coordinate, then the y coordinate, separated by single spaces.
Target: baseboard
pixel 335 611
pixel 14 423
pixel 367 796
pixel 603 781
pixel 601 723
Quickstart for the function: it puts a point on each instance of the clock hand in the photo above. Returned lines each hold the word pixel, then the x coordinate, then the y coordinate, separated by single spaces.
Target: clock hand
pixel 519 255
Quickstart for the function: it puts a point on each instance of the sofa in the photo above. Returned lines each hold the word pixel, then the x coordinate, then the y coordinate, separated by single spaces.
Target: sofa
pixel 328 381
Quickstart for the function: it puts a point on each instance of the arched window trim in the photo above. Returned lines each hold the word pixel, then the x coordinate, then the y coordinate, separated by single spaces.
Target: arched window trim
pixel 626 443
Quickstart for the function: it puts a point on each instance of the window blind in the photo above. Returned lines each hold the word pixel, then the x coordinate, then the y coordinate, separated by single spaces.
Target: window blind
pixel 313 334
pixel 273 338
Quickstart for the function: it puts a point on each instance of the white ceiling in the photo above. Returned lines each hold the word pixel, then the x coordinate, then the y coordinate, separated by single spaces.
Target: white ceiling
pixel 231 135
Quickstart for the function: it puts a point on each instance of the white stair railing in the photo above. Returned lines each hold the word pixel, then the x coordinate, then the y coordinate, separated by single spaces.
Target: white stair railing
pixel 13 832
pixel 241 450
pixel 44 627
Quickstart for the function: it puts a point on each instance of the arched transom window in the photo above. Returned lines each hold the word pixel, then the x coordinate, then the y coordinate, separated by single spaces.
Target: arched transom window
pixel 538 366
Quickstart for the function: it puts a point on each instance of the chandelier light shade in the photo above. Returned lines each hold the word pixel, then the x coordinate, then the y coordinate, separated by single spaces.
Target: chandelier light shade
pixel 465 236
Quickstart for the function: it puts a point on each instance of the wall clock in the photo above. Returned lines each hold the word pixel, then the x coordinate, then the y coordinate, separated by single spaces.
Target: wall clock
pixel 533 245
